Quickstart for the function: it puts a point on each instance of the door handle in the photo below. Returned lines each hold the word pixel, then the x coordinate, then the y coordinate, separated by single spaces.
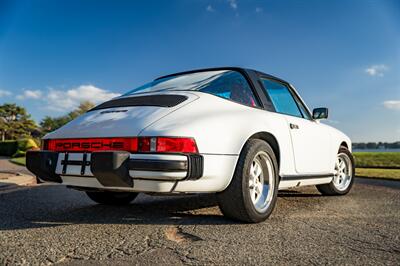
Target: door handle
pixel 294 126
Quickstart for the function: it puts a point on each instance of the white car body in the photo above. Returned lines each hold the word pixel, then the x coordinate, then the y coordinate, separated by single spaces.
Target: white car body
pixel 220 127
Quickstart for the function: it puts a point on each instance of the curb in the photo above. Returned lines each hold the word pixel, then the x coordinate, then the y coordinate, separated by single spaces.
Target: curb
pixel 14 180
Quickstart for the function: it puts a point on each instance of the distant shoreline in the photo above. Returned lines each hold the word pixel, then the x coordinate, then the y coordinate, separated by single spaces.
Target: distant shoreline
pixel 376 150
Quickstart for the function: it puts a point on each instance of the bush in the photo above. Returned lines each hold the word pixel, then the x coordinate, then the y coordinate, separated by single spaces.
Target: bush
pixel 23 146
pixel 8 147
pixel 17 148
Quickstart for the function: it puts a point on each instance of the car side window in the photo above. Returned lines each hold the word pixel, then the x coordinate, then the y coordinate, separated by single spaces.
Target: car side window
pixel 281 98
pixel 303 109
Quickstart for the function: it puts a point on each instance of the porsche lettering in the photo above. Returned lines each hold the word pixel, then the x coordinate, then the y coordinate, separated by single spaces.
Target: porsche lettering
pixel 89 145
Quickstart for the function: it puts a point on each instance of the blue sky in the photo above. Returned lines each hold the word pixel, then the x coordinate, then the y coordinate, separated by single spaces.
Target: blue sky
pixel 341 54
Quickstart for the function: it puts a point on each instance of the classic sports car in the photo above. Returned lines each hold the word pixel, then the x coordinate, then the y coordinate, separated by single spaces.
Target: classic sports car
pixel 236 132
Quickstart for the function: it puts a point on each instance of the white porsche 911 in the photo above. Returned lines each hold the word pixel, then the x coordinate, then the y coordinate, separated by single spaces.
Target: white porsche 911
pixel 236 132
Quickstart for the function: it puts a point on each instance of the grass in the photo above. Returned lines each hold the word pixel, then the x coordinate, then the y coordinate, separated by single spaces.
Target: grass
pixel 19 161
pixel 387 160
pixel 393 174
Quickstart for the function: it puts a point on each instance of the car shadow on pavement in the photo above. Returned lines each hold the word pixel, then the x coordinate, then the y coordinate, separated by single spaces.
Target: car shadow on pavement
pixel 297 194
pixel 51 206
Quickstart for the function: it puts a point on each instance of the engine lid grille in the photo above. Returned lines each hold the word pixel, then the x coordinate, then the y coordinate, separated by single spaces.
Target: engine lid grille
pixel 163 100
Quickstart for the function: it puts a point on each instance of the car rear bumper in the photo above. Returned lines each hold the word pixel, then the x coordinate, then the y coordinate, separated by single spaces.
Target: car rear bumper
pixel 114 168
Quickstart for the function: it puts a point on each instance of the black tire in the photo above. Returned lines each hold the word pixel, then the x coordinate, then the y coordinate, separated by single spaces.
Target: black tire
pixel 331 189
pixel 111 197
pixel 235 201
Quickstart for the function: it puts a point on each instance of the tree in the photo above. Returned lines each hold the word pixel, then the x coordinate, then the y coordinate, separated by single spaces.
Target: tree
pixel 49 124
pixel 15 122
pixel 82 108
pixel 371 145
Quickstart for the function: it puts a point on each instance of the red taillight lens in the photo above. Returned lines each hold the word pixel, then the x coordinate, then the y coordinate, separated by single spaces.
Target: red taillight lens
pixel 144 144
pixel 141 144
pixel 184 145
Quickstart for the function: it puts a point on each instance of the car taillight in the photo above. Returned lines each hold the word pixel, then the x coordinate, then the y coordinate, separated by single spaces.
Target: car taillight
pixel 167 144
pixel 140 144
pixel 186 145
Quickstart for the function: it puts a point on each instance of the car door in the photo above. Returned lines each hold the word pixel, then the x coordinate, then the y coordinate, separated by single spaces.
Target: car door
pixel 310 139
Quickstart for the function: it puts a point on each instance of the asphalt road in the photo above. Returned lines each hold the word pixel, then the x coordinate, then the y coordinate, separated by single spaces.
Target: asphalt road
pixel 52 224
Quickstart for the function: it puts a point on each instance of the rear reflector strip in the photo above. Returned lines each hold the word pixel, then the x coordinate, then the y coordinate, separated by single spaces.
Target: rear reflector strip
pixel 94 144
pixel 140 144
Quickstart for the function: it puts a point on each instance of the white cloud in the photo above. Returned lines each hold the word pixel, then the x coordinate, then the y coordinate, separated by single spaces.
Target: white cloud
pixel 233 4
pixel 4 93
pixel 59 100
pixel 392 104
pixel 210 8
pixel 67 100
pixel 376 70
pixel 259 9
pixel 30 94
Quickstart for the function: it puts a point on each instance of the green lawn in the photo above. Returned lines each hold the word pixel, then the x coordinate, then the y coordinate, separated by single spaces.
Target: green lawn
pixel 390 160
pixel 378 173
pixel 19 160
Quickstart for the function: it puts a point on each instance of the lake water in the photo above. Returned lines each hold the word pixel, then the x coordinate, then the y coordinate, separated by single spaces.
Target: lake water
pixel 376 150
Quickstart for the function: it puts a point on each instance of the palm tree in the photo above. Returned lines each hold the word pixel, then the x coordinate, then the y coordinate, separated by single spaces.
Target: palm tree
pixel 3 122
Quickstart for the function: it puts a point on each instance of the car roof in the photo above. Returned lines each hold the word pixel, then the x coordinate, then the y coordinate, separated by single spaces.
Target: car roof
pixel 239 69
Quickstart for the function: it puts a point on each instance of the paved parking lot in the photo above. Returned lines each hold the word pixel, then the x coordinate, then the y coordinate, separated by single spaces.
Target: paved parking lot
pixel 52 224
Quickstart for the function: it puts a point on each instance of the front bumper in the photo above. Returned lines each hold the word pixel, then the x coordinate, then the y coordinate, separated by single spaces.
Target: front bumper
pixel 113 168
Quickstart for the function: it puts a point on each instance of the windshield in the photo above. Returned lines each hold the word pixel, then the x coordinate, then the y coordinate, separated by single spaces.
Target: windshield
pixel 223 83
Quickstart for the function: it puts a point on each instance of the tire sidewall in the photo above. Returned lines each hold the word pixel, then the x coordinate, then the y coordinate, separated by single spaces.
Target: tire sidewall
pixel 257 146
pixel 332 185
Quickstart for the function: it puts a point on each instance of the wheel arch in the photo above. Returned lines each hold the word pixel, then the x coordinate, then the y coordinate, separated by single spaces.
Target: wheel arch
pixel 271 140
pixel 346 145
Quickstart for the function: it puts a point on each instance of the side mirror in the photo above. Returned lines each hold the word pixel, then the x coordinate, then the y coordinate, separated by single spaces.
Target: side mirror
pixel 320 113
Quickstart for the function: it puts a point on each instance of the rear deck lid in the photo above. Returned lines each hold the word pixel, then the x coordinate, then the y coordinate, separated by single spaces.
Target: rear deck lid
pixel 124 116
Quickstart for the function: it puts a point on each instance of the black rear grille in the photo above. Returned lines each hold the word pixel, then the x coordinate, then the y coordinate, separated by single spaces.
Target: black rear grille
pixel 195 166
pixel 149 100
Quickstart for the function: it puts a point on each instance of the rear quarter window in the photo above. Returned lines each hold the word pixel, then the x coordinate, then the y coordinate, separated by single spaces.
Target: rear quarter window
pixel 233 86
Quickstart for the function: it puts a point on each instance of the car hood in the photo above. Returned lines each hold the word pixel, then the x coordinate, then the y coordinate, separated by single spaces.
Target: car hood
pixel 123 116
